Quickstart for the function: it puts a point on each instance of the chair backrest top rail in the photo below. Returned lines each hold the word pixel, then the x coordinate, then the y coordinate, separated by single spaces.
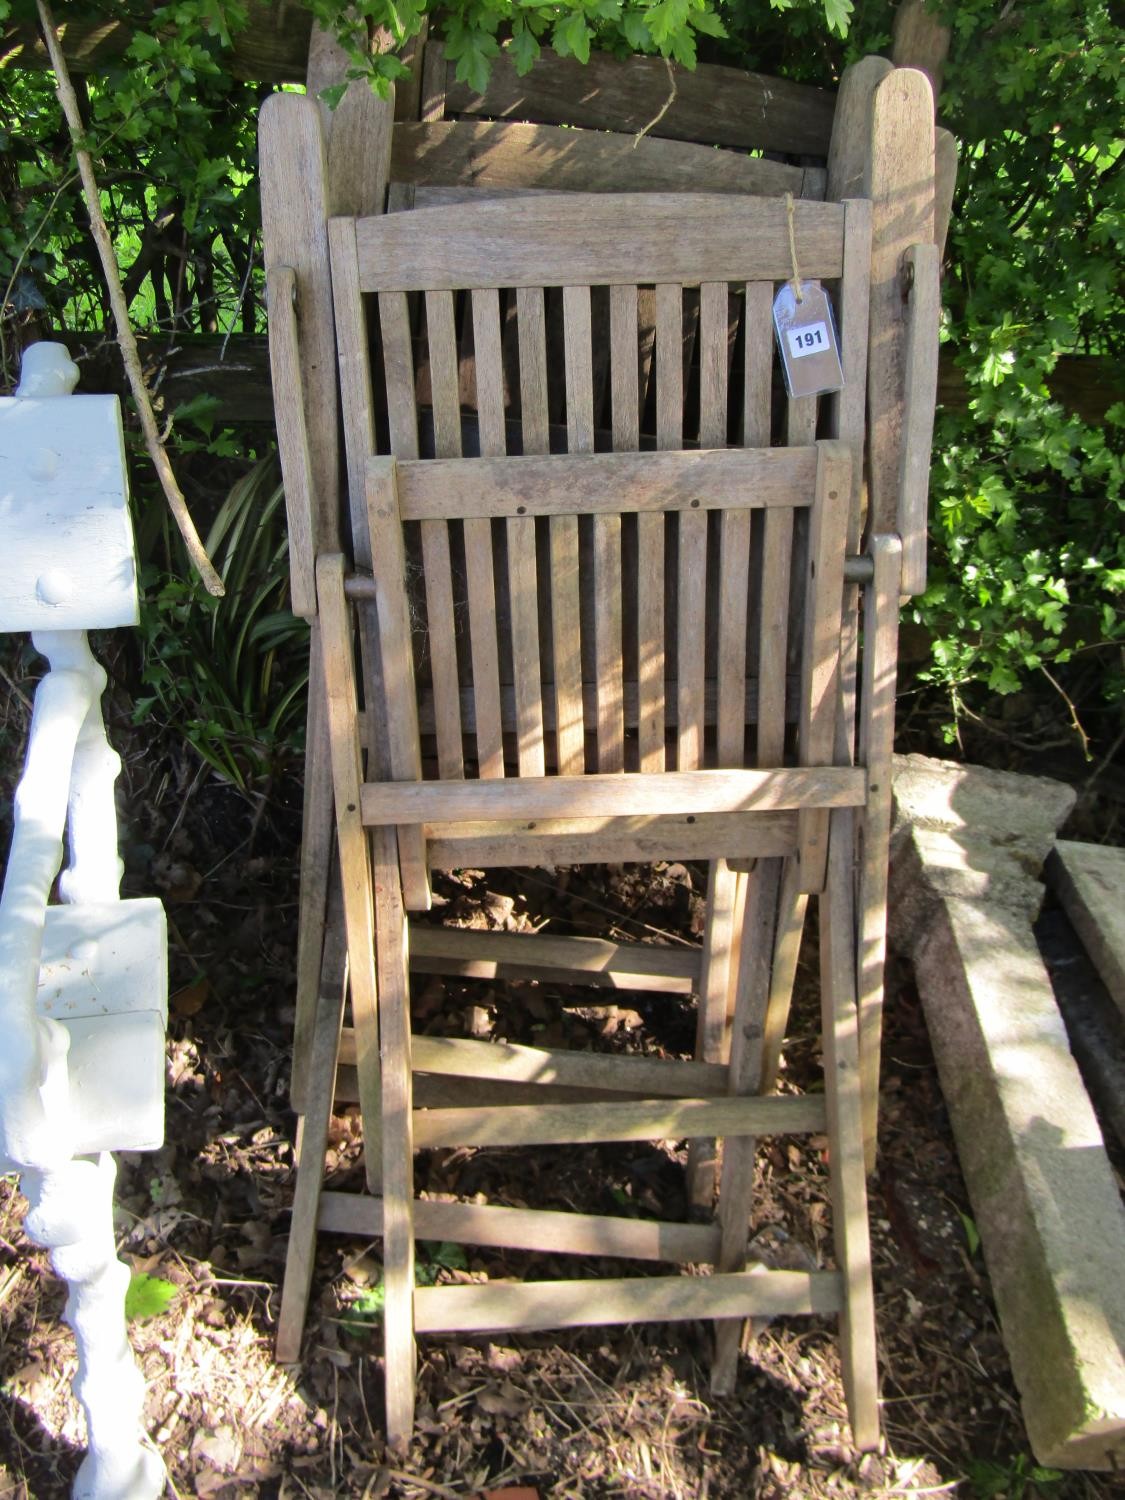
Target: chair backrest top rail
pixel 596 239
pixel 600 483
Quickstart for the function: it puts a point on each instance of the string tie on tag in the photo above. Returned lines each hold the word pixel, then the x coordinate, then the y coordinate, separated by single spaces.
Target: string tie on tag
pixel 800 296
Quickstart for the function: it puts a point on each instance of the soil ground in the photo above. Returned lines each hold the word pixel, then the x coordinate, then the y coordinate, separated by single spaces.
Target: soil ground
pixel 600 1413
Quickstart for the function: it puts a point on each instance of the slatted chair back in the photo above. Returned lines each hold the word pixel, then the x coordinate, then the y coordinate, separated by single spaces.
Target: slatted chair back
pixel 636 630
pixel 601 746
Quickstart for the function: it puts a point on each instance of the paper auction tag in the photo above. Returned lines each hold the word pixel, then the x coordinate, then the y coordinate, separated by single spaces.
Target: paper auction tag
pixel 806 338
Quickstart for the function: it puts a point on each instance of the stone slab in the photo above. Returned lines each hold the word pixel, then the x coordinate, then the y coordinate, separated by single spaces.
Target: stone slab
pixel 987 832
pixel 1044 1197
pixel 963 892
pixel 1090 882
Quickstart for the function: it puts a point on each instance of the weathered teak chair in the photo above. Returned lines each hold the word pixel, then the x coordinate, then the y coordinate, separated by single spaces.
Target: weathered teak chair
pixel 423 163
pixel 608 746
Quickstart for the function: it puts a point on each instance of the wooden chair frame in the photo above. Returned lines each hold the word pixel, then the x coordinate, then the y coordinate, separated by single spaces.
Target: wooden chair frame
pixel 302 180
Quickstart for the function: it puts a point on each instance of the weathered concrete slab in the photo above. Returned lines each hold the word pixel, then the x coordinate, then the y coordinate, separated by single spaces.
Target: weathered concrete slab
pixel 1090 882
pixel 967 849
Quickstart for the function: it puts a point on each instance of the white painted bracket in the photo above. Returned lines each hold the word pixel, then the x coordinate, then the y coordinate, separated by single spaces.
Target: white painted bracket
pixel 83 986
pixel 65 535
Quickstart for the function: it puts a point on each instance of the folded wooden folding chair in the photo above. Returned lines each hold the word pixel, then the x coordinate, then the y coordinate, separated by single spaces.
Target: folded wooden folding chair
pixel 302 182
pixel 609 745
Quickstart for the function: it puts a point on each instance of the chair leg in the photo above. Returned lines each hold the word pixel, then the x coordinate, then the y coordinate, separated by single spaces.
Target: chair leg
pixel 317 829
pixel 844 1101
pixel 711 1039
pixel 786 951
pixel 398 1137
pixel 736 1190
pixel 880 664
pixel 320 1081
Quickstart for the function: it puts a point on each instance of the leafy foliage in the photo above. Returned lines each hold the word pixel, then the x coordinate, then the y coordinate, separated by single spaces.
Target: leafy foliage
pixel 1028 554
pixel 230 672
pixel 1030 548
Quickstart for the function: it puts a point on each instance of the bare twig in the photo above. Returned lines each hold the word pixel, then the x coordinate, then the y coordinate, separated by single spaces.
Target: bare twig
pixel 125 338
pixel 664 108
pixel 1074 719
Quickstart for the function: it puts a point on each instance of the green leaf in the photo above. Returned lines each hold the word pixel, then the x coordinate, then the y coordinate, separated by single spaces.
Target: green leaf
pixel 707 22
pixel 838 14
pixel 571 37
pixel 333 94
pixel 148 1296
pixel 972 1234
pixel 636 32
pixel 523 48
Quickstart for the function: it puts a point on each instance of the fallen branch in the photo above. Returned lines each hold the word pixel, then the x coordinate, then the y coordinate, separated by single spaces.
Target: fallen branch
pixel 125 337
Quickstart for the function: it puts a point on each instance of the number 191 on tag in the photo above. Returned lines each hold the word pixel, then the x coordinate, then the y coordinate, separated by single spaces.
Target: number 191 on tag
pixel 809 340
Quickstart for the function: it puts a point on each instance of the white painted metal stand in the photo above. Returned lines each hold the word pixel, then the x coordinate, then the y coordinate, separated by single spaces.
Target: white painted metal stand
pixel 83 985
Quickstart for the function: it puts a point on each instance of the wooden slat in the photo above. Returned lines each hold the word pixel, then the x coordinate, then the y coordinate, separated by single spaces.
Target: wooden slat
pixel 566 960
pixel 946 152
pixel 848 408
pixel 359 442
pixel 317 820
pixel 650 1120
pixel 293 436
pixel 691 638
pixel 900 184
pixel 479 571
pixel 501 154
pixel 398 1149
pixel 441 638
pixel 578 361
pixel 880 663
pixel 355 870
pixel 851 126
pixel 532 325
pixel 528 1229
pixel 569 841
pixel 843 1097
pixel 294 207
pixel 596 240
pixel 712 104
pixel 734 593
pixel 820 652
pixel 566 652
pixel 773 630
pixel 432 103
pixel 606 483
pixel 847 419
pixel 507 1062
pixel 609 681
pixel 711 1040
pixel 633 794
pixel 669 365
pixel 396 650
pixel 578 351
pixel 445 1091
pixel 792 908
pixel 524 1307
pixel 920 360
pixel 522 565
pixel 398 368
pixel 758 365
pixel 322 1046
pixel 357 130
pixel 441 342
pixel 625 368
pixel 736 1189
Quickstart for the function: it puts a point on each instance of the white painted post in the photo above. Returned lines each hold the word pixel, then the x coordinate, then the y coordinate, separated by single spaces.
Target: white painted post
pixel 83 987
